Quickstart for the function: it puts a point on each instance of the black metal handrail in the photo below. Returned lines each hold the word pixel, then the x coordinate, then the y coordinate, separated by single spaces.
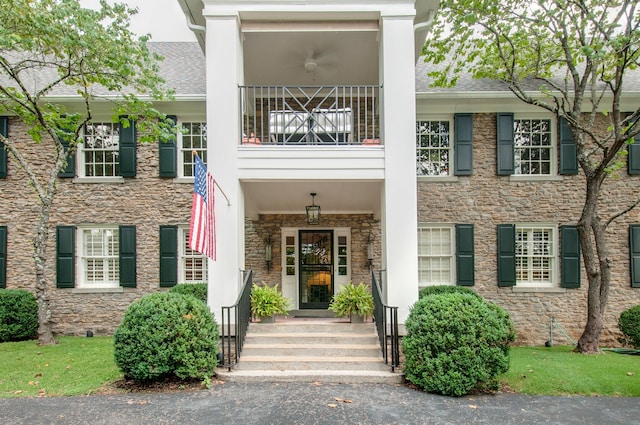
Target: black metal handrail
pixel 242 315
pixel 310 115
pixel 386 319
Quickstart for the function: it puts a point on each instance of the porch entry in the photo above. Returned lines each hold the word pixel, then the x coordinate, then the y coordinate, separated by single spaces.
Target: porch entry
pixel 317 264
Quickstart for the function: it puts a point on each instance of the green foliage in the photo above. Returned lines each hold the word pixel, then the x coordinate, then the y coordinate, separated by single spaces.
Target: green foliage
pixel 165 334
pixel 352 299
pixel 268 301
pixel 198 290
pixel 18 315
pixel 445 289
pixel 629 324
pixel 456 343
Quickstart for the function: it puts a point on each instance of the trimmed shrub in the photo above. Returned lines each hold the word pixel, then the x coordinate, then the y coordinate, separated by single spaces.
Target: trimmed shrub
pixel 456 343
pixel 198 290
pixel 18 315
pixel 445 289
pixel 629 324
pixel 166 334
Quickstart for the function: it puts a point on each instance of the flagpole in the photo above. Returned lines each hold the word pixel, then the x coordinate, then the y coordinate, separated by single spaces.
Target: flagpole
pixel 195 153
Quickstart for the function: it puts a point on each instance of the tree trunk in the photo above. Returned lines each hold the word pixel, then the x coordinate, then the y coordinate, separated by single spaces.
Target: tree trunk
pixel 45 333
pixel 595 255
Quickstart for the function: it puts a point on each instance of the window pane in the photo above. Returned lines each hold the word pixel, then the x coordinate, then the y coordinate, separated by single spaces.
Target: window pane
pixel 534 256
pixel 100 258
pixel 532 140
pixel 101 142
pixel 433 148
pixel 193 264
pixel 435 255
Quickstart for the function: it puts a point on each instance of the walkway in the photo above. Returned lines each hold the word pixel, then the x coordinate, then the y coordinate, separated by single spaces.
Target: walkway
pixel 317 403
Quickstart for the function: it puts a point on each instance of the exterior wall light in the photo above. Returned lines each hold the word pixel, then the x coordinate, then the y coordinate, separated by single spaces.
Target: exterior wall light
pixel 268 252
pixel 313 211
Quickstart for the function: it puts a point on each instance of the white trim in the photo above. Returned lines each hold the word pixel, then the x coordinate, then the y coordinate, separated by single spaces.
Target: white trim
pixel 81 253
pixel 183 232
pixel 554 257
pixel 452 254
pixel 553 149
pixel 441 118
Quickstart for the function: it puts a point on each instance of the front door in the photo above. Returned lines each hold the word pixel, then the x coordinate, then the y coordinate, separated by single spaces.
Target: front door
pixel 316 268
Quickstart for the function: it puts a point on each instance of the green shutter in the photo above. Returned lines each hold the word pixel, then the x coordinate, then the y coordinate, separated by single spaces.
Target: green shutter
pixel 127 235
pixel 506 255
pixel 463 145
pixel 3 256
pixel 168 154
pixel 568 154
pixel 505 150
pixel 465 273
pixel 633 160
pixel 4 131
pixel 128 149
pixel 70 169
pixel 168 256
pixel 65 256
pixel 634 254
pixel 570 257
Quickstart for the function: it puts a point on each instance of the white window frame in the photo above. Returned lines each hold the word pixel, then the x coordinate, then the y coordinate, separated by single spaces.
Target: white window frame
pixel 451 255
pixel 83 257
pixel 185 253
pixel 83 150
pixel 449 120
pixel 552 256
pixel 187 151
pixel 552 147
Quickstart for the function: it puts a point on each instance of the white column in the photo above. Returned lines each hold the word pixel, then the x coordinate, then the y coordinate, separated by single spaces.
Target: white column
pixel 224 74
pixel 400 254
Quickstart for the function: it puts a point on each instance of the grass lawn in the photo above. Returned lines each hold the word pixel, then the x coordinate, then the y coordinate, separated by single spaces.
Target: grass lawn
pixel 559 371
pixel 81 366
pixel 75 366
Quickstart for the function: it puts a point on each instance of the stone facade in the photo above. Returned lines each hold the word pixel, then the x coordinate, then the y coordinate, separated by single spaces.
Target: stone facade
pixel 486 200
pixel 483 199
pixel 146 201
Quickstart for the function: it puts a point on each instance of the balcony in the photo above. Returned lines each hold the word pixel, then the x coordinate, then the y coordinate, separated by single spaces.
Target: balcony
pixel 310 115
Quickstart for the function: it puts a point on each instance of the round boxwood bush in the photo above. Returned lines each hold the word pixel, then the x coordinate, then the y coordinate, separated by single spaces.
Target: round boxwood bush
pixel 198 290
pixel 18 315
pixel 456 343
pixel 629 324
pixel 445 289
pixel 166 334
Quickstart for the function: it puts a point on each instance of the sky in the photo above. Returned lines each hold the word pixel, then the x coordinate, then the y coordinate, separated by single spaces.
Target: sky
pixel 163 19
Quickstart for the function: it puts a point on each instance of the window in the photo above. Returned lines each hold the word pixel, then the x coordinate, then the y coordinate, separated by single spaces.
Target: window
pixel 192 265
pixel 193 137
pixel 100 150
pixel 435 255
pixel 433 148
pixel 535 255
pixel 99 260
pixel 533 147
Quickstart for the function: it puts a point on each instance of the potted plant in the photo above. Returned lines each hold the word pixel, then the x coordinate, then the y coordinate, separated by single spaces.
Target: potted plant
pixel 267 302
pixel 353 301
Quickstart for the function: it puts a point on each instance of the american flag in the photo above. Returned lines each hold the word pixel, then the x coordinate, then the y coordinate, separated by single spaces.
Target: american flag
pixel 202 229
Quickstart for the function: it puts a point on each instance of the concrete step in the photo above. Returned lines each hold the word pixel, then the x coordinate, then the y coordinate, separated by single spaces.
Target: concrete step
pixel 311 363
pixel 310 338
pixel 311 350
pixel 312 327
pixel 333 376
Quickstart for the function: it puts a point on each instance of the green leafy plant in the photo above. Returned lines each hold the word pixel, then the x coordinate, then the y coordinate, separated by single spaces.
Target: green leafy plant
pixel 198 290
pixel 267 301
pixel 352 299
pixel 166 334
pixel 629 324
pixel 456 343
pixel 18 315
pixel 445 289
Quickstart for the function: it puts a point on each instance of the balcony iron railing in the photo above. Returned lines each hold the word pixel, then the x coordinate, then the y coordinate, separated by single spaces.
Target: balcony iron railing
pixel 310 115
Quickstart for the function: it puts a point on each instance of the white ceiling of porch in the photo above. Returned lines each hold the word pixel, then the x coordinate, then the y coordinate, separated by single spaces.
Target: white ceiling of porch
pixel 341 197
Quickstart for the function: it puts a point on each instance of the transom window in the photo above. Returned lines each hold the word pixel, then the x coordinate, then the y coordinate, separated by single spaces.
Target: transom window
pixel 193 137
pixel 435 255
pixel 192 264
pixel 433 148
pixel 100 150
pixel 99 257
pixel 535 255
pixel 533 146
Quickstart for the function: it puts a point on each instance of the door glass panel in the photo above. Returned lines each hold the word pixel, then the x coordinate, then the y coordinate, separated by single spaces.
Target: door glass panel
pixel 316 268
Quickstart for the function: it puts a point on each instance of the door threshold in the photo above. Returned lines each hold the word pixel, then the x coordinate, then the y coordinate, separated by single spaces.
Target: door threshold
pixel 312 313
